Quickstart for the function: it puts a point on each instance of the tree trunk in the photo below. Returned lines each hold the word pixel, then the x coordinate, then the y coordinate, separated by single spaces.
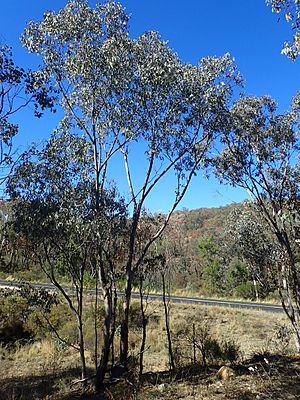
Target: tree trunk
pixel 81 348
pixel 95 322
pixel 171 357
pixel 194 344
pixel 124 323
pixel 144 331
pixel 113 328
pixel 102 368
pixel 128 287
pixel 80 325
pixel 255 288
pixel 290 300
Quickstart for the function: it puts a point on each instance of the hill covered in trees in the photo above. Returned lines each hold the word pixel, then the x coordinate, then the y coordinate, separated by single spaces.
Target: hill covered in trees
pixel 203 222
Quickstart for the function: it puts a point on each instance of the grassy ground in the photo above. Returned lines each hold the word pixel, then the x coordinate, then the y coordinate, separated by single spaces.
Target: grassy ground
pixel 266 368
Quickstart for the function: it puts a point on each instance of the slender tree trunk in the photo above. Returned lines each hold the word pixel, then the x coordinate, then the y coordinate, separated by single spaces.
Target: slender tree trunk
pixel 203 353
pixel 255 287
pixel 290 297
pixel 108 314
pixel 124 324
pixel 80 325
pixel 95 322
pixel 144 331
pixel 128 289
pixel 102 368
pixel 194 344
pixel 166 308
pixel 81 347
pixel 113 328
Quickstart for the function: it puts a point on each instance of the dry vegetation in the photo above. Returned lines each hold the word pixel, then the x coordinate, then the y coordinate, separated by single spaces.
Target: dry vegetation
pixel 265 369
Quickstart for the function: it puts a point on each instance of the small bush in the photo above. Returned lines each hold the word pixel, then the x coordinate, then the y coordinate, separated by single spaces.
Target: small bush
pixel 21 315
pixel 245 290
pixel 13 314
pixel 213 349
pixel 230 351
pixel 199 339
pixel 281 342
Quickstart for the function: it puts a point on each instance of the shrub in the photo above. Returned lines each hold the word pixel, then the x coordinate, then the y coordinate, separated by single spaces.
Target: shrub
pixel 199 339
pixel 13 314
pixel 281 342
pixel 245 290
pixel 21 314
pixel 230 351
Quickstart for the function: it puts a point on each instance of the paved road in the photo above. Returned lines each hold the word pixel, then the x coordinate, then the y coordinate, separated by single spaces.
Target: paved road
pixel 179 299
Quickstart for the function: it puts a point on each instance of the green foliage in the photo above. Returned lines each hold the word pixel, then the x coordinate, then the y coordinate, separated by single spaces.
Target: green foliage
pixel 207 249
pixel 211 266
pixel 22 315
pixel 259 155
pixel 18 89
pixel 245 290
pixel 13 314
pixel 55 215
pixel 237 280
pixel 213 278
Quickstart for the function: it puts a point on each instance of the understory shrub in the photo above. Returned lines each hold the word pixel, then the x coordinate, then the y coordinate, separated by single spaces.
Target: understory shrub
pixel 194 343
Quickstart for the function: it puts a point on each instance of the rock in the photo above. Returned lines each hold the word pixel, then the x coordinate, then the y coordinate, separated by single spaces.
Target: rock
pixel 162 387
pixel 225 373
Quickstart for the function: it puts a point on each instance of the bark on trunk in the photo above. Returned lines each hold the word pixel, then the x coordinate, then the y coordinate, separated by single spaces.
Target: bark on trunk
pixel 102 368
pixel 95 322
pixel 81 349
pixel 290 301
pixel 171 357
pixel 255 288
pixel 124 324
pixel 144 331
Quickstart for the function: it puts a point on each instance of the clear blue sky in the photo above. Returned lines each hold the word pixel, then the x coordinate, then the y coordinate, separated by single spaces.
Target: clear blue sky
pixel 194 28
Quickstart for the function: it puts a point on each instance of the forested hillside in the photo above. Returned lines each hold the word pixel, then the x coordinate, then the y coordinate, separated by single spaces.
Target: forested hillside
pixel 203 222
pixel 211 251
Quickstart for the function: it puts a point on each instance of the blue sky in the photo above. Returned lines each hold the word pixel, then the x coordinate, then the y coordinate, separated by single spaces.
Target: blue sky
pixel 194 28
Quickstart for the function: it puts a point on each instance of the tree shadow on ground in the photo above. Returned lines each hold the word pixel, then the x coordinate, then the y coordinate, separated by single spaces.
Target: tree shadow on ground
pixel 281 374
pixel 275 376
pixel 264 376
pixel 36 386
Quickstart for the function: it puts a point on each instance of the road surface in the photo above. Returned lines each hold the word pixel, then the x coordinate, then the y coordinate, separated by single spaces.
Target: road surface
pixel 177 299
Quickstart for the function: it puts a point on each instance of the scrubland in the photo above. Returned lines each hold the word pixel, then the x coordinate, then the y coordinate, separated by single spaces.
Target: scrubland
pixel 261 357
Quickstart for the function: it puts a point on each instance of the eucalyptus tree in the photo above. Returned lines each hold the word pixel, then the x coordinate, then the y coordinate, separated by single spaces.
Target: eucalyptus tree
pixel 261 154
pixel 127 97
pixel 18 89
pixel 55 218
pixel 248 238
pixel 290 9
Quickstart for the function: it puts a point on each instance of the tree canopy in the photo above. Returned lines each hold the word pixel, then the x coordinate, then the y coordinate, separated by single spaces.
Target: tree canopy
pixel 290 9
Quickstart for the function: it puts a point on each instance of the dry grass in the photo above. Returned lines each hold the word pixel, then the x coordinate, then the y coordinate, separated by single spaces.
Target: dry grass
pixel 253 331
pixel 279 381
pixel 44 370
